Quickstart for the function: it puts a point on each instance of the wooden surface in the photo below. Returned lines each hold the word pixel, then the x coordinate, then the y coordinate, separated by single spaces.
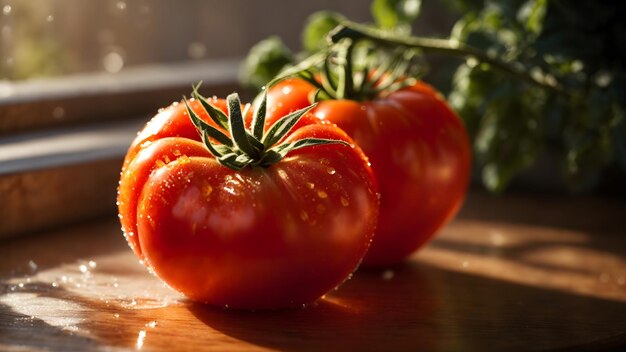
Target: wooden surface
pixel 514 273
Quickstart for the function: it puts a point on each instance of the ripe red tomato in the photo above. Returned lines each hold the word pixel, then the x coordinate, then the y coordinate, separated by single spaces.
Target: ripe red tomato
pixel 259 237
pixel 420 153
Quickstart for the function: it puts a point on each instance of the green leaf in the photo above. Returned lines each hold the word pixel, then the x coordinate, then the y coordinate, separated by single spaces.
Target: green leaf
pixel 532 14
pixel 281 127
pixel 264 61
pixel 284 149
pixel 214 113
pixel 391 14
pixel 258 120
pixel 216 150
pixel 237 128
pixel 317 27
pixel 233 161
pixel 205 127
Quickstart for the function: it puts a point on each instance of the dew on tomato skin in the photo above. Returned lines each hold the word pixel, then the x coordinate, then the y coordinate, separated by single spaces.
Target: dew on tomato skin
pixel 176 152
pixel 344 201
pixel 282 174
pixel 322 194
pixel 160 163
pixel 207 189
pixel 310 185
pixel 304 215
pixel 331 171
pixel 286 90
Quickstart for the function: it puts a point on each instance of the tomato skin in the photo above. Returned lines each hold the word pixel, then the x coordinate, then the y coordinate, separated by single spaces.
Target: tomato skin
pixel 172 121
pixel 420 153
pixel 257 238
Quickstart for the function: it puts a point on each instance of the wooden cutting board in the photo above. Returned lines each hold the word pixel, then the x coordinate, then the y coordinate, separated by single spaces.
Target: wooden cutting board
pixel 514 273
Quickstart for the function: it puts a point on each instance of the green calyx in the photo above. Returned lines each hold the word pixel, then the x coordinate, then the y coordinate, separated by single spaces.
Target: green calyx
pixel 241 147
pixel 358 71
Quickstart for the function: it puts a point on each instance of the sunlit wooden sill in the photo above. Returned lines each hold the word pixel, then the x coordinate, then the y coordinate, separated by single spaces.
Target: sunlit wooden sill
pixel 514 273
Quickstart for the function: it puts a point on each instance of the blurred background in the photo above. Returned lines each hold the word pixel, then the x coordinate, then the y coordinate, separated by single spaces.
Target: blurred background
pixel 78 78
pixel 60 37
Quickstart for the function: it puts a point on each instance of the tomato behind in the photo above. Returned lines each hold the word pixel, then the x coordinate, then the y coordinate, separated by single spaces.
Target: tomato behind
pixel 420 153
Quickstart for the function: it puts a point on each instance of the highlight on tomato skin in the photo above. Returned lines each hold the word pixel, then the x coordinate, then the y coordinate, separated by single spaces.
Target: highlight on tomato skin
pixel 260 237
pixel 419 151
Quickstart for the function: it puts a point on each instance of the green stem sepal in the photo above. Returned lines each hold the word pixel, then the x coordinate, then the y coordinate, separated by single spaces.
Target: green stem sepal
pixel 236 146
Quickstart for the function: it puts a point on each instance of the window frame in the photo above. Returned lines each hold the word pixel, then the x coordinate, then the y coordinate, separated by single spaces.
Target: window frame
pixel 45 186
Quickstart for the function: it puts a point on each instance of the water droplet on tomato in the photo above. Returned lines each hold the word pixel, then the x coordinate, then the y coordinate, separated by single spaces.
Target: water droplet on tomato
pixel 322 194
pixel 331 171
pixel 310 185
pixel 344 201
pixel 207 189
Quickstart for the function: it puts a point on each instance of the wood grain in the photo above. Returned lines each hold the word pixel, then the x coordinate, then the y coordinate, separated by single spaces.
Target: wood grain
pixel 521 272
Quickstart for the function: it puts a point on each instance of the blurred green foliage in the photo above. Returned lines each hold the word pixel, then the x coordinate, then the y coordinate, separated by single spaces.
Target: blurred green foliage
pixel 577 45
pixel 26 51
pixel 264 61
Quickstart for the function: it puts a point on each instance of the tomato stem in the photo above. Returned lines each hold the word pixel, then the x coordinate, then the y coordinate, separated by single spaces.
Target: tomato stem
pixel 248 148
pixel 356 32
